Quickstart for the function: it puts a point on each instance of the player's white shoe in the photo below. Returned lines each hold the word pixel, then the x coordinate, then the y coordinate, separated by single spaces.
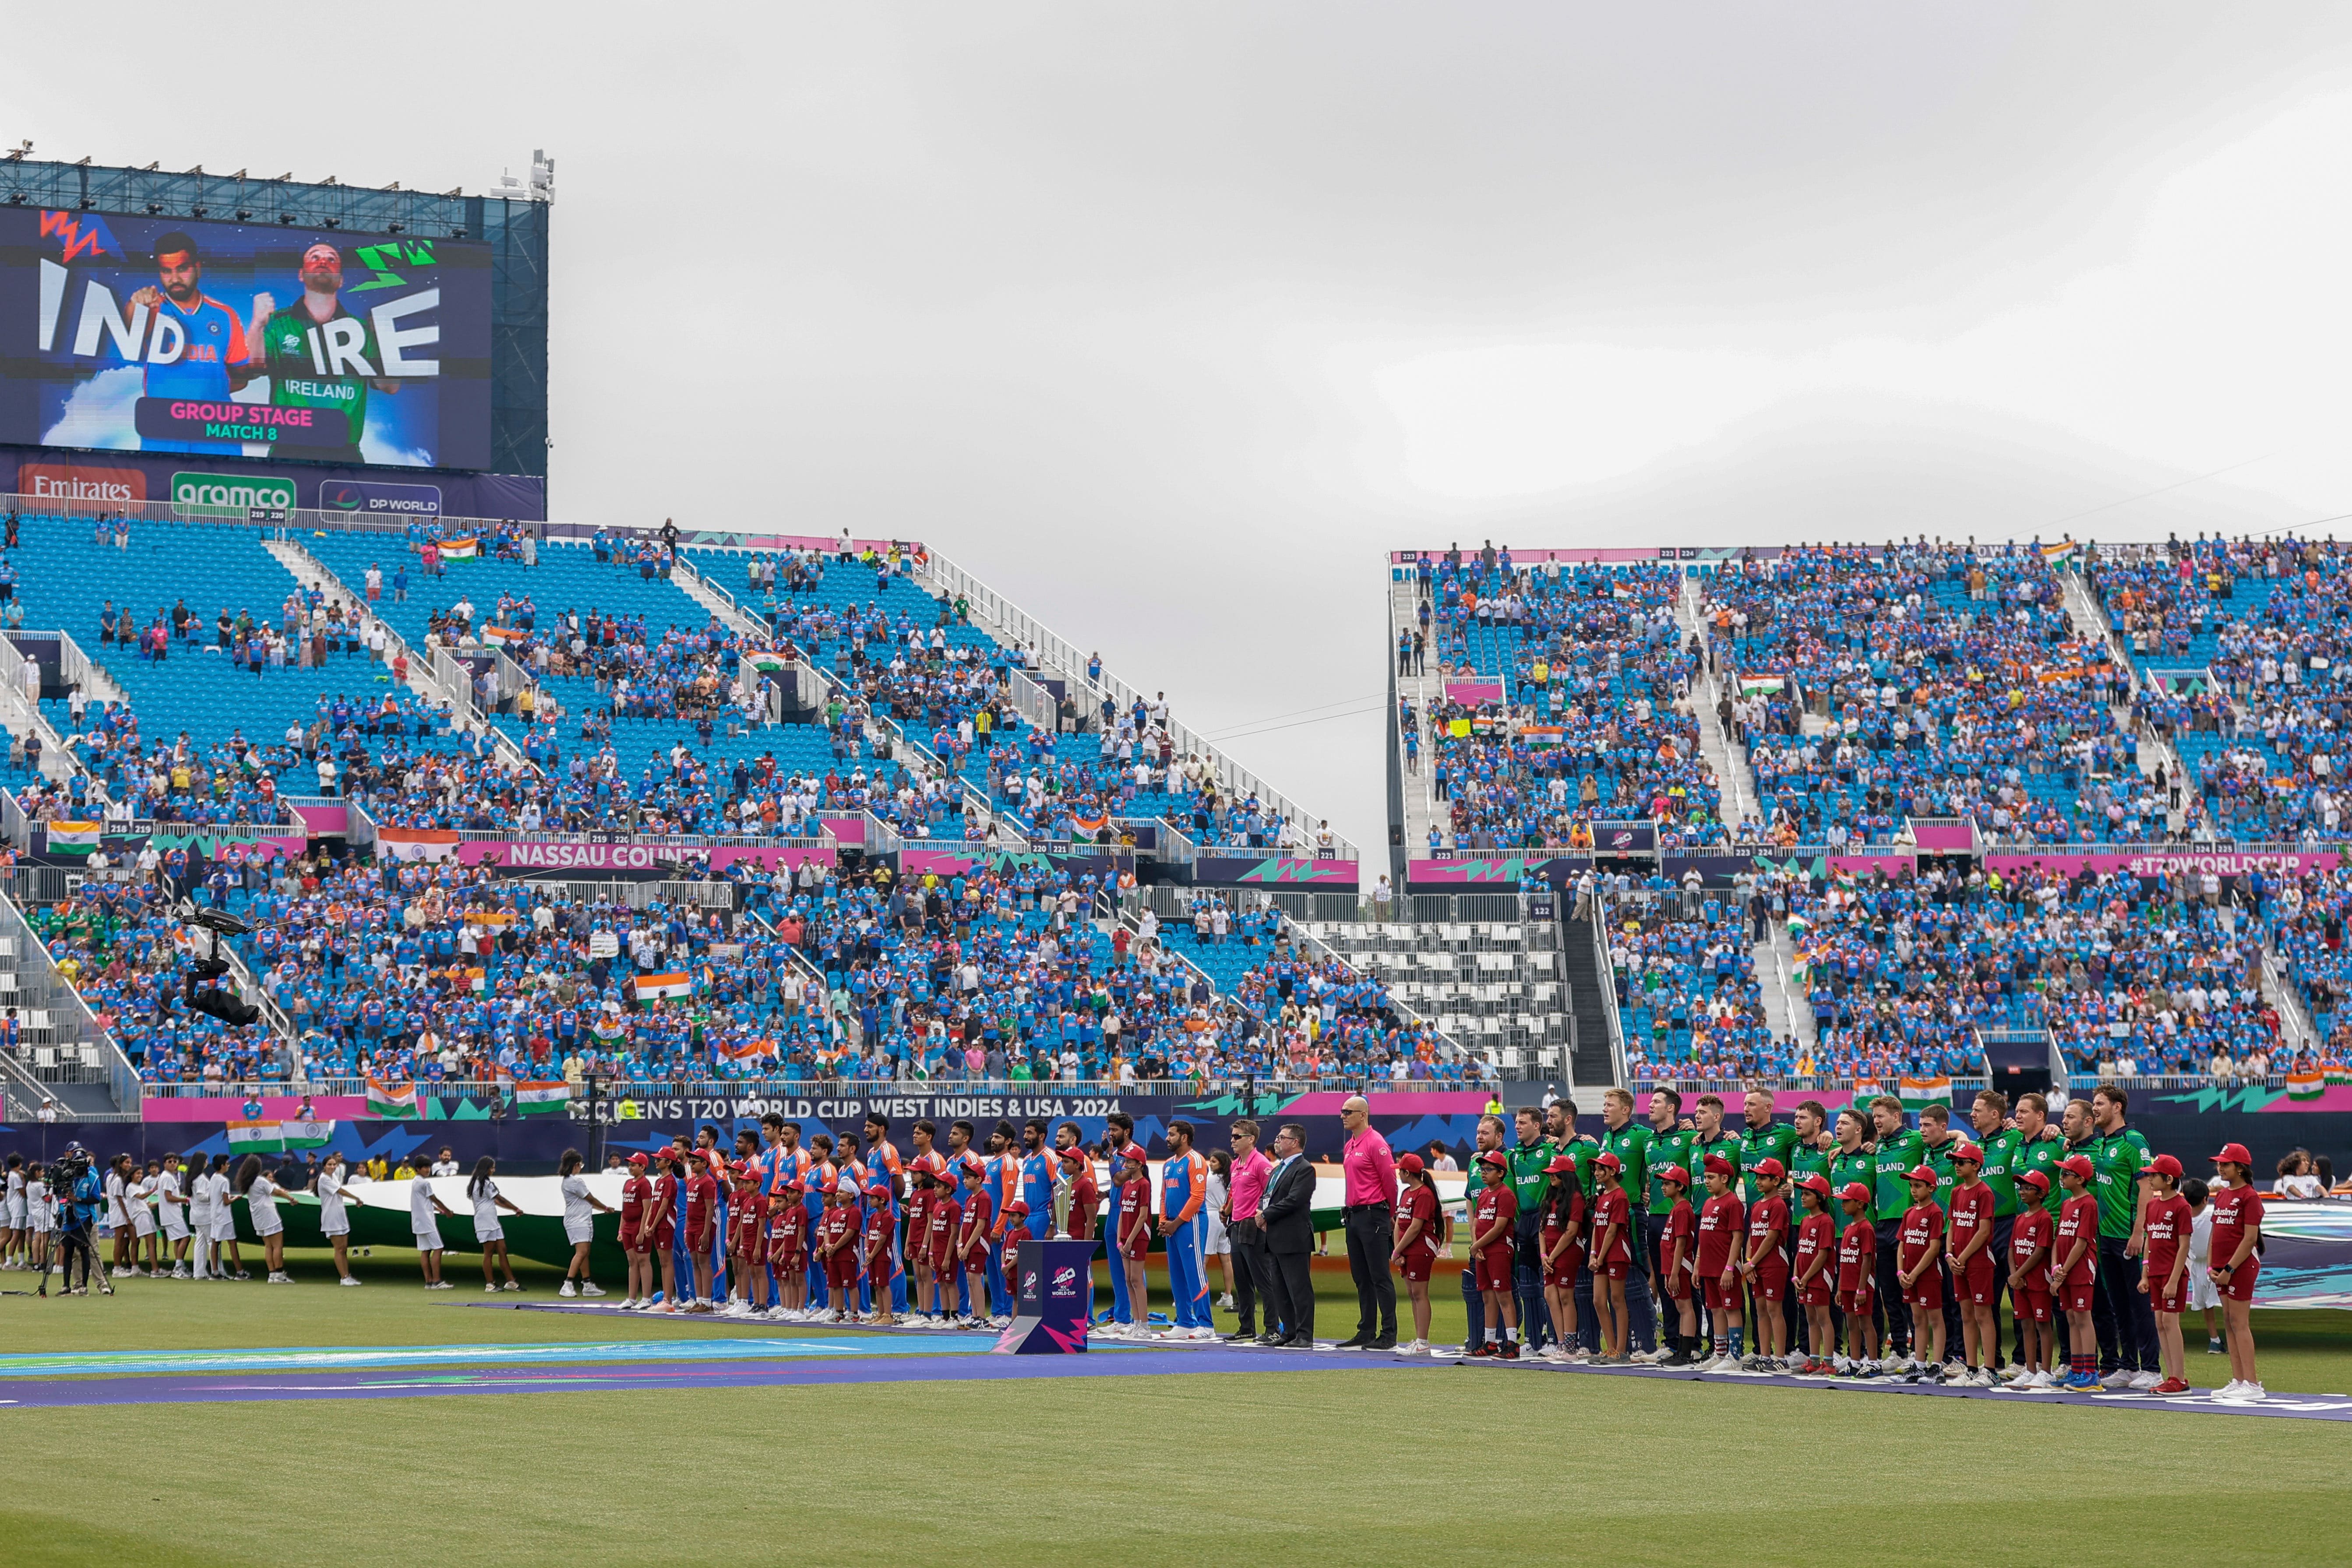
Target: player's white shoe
pixel 588 1290
pixel 351 1279
pixel 1418 1347
pixel 568 1289
pixel 2239 1392
pixel 2146 1381
pixel 2117 1379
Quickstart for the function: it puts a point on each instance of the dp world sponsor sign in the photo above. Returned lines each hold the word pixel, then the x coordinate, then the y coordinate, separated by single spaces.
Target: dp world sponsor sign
pixel 238 493
pixel 379 500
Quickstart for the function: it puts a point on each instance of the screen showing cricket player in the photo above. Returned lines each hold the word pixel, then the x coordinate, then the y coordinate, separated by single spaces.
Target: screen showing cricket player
pixel 157 334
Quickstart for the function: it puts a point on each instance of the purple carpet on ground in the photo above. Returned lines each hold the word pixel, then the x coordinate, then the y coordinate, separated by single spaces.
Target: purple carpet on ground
pixel 29 1393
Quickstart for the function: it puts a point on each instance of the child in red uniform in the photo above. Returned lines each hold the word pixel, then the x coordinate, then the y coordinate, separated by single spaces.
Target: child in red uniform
pixel 1815 1275
pixel 1494 1222
pixel 1134 1236
pixel 971 1235
pixel 1610 1224
pixel 637 1235
pixel 1974 1283
pixel 836 1248
pixel 2074 1271
pixel 2236 1259
pixel 2166 1220
pixel 747 1217
pixel 701 1211
pixel 1559 1255
pixel 1675 1265
pixel 1016 1235
pixel 881 1230
pixel 1722 1222
pixel 920 1194
pixel 1765 1268
pixel 1857 1282
pixel 1419 1220
pixel 787 1236
pixel 946 1229
pixel 2028 1277
pixel 1919 1240
pixel 666 1188
pixel 1086 1197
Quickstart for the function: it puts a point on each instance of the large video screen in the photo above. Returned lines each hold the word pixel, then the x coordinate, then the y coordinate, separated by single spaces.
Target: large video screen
pixel 160 334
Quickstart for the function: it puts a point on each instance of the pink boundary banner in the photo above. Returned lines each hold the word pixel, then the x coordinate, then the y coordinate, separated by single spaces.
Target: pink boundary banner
pixel 847 829
pixel 1941 836
pixel 231 1108
pixel 1473 691
pixel 2164 862
pixel 1406 1102
pixel 580 856
pixel 323 821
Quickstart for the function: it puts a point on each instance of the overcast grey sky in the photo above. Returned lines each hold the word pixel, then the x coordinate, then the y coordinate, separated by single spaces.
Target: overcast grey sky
pixel 1167 319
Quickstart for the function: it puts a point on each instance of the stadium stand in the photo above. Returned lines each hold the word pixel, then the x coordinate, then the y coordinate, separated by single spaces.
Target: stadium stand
pixel 501 683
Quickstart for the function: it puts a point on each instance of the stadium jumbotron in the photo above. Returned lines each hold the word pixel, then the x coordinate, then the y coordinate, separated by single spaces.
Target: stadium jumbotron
pixel 583 969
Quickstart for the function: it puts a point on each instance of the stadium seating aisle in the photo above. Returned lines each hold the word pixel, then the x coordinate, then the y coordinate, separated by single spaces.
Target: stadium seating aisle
pixel 1565 703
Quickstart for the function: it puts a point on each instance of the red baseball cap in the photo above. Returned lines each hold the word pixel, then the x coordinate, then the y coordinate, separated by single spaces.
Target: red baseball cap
pixel 1608 1161
pixel 2040 1183
pixel 1078 1156
pixel 1675 1174
pixel 1968 1152
pixel 973 1165
pixel 1561 1164
pixel 2080 1164
pixel 1814 1182
pixel 1132 1152
pixel 1923 1173
pixel 2162 1165
pixel 2235 1154
pixel 1493 1157
pixel 637 1159
pixel 1716 1163
pixel 1768 1166
pixel 1855 1190
pixel 1017 1205
pixel 1410 1165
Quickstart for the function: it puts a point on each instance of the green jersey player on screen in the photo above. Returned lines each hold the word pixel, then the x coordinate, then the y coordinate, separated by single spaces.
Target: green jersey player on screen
pixel 320 354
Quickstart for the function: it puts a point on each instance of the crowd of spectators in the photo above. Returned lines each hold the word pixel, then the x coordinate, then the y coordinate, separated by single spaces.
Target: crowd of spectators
pixel 1563 698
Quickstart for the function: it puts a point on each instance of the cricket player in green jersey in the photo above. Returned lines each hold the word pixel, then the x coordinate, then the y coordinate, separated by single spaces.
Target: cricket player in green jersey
pixel 1528 1157
pixel 2129 1355
pixel 319 354
pixel 1895 1150
pixel 1627 1139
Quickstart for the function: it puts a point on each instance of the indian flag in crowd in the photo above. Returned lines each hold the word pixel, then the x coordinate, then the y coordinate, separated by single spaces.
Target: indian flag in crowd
pixel 73 837
pixel 459 549
pixel 2063 550
pixel 768 663
pixel 270 1137
pixel 1543 734
pixel 390 1099
pixel 416 843
pixel 2338 1073
pixel 506 633
pixel 2307 1083
pixel 533 1096
pixel 1763 685
pixel 1919 1093
pixel 671 982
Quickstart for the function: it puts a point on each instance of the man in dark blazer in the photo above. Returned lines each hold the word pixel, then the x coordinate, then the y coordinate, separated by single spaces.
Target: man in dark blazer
pixel 1289 1211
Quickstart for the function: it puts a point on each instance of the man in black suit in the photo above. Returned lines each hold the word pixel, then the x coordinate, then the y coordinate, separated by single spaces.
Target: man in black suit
pixel 1288 1212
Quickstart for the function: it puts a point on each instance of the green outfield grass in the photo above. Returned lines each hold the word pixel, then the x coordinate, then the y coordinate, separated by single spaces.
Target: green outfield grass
pixel 1372 1464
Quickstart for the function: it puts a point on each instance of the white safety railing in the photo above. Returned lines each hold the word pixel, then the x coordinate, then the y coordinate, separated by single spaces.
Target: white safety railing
pixel 1023 632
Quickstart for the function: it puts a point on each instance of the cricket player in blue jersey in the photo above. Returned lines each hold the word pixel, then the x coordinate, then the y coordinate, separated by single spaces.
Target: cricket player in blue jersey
pixel 213 358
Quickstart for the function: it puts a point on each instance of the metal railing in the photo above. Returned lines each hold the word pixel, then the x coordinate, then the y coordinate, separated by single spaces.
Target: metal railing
pixel 1605 975
pixel 99 1057
pixel 1024 632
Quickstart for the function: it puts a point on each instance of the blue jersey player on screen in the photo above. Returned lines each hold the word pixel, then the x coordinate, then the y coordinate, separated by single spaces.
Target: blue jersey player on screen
pixel 214 359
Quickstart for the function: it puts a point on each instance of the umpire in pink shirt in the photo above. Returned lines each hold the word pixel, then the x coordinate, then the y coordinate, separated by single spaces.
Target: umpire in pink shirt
pixel 1370 1215
pixel 1244 1191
